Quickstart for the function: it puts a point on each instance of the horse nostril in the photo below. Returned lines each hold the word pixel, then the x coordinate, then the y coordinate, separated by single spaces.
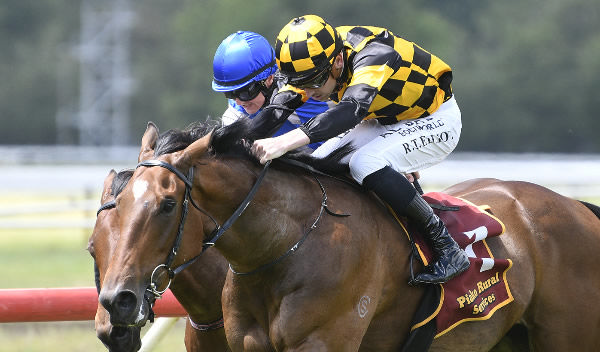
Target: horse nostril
pixel 125 302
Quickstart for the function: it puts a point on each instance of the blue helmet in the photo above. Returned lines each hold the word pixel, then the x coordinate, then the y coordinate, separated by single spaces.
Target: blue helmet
pixel 242 57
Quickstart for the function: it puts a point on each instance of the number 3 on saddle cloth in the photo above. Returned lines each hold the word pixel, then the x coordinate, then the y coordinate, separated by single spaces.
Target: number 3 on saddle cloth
pixel 477 293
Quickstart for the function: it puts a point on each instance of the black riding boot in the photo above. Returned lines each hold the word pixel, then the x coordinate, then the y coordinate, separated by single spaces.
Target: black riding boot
pixel 450 260
pixel 393 188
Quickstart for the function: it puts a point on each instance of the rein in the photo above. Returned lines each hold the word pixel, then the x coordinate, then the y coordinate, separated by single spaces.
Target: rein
pixel 300 241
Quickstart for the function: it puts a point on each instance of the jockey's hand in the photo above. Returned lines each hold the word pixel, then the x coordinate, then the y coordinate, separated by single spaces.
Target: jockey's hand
pixel 267 149
pixel 412 176
pixel 271 148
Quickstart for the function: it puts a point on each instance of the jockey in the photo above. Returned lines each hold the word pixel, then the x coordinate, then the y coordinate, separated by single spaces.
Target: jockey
pixel 396 101
pixel 244 69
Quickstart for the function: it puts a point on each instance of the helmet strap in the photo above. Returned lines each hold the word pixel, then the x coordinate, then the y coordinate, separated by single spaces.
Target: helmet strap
pixel 267 91
pixel 343 77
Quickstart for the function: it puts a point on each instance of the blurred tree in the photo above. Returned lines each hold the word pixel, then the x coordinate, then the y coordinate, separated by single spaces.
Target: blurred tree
pixel 525 72
pixel 523 87
pixel 30 32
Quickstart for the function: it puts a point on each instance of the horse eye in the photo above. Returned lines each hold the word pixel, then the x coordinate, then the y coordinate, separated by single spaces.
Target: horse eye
pixel 167 206
pixel 91 251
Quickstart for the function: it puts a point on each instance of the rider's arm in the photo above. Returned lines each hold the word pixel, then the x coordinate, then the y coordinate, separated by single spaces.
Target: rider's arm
pixel 342 117
pixel 270 119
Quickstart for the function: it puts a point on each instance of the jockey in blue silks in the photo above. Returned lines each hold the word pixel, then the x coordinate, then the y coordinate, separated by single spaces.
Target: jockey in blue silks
pixel 244 68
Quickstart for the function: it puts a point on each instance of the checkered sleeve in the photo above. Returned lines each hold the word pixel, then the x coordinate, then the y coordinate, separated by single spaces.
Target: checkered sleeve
pixel 268 121
pixel 374 65
pixel 332 122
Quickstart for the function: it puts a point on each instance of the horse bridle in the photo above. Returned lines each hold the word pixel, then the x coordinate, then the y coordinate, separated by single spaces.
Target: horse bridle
pixel 218 231
pixel 152 293
pixel 213 325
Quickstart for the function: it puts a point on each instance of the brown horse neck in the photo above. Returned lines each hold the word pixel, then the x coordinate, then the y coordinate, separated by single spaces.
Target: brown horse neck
pixel 273 221
pixel 198 288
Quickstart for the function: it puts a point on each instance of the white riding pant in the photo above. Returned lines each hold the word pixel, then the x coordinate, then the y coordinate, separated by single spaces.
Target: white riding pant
pixel 406 146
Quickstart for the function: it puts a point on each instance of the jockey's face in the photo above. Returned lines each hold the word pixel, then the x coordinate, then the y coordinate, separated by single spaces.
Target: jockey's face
pixel 322 93
pixel 253 105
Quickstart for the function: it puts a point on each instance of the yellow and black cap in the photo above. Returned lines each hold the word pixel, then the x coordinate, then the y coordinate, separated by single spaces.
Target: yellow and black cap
pixel 305 48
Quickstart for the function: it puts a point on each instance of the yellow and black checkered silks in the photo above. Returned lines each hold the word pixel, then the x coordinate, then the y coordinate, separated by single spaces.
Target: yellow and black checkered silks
pixel 405 83
pixel 305 46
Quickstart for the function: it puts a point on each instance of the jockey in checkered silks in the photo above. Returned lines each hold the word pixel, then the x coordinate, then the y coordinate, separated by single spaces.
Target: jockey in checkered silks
pixel 395 101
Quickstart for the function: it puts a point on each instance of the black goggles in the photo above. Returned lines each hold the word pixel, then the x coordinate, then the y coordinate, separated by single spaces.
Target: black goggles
pixel 247 92
pixel 313 82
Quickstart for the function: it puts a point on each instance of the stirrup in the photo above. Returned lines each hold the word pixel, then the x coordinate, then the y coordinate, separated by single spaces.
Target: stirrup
pixel 415 280
pixel 465 266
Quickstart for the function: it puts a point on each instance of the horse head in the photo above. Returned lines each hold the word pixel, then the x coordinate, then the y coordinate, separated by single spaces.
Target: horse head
pixel 152 211
pixel 101 246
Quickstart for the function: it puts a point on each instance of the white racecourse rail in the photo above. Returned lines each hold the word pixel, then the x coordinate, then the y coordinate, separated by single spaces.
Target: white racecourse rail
pixel 77 169
pixel 74 176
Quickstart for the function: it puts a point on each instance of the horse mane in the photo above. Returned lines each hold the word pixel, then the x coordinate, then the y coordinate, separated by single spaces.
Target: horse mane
pixel 237 139
pixel 175 139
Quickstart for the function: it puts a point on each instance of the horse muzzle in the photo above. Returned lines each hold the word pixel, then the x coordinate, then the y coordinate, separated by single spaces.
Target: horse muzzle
pixel 120 338
pixel 126 308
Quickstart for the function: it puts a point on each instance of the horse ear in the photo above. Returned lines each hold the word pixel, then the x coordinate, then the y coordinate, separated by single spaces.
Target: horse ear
pixel 107 188
pixel 148 142
pixel 195 150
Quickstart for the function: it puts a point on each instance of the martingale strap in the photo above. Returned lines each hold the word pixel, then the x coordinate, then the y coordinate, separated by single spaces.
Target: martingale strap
pixel 213 325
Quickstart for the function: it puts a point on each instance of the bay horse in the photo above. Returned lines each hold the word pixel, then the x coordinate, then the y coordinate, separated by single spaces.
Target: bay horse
pixel 299 269
pixel 198 287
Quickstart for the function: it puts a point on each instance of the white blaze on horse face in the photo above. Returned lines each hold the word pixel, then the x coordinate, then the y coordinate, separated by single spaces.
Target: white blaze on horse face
pixel 139 188
pixel 141 317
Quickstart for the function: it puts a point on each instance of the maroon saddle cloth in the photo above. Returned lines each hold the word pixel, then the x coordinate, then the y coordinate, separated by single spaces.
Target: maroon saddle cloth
pixel 480 291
